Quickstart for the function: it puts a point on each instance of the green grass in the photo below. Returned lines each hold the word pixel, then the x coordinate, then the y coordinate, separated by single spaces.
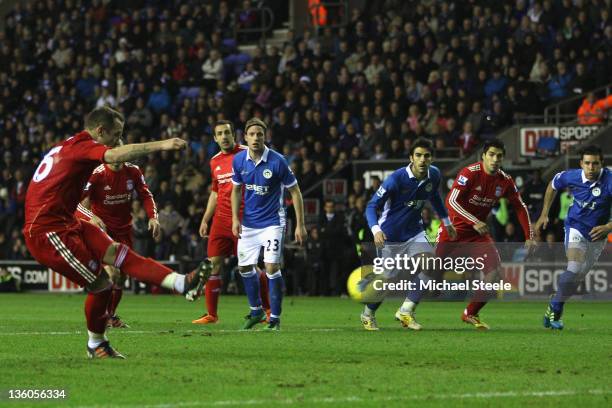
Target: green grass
pixel 321 356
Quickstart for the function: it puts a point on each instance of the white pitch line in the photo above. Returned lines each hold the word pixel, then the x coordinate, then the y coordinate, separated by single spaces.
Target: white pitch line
pixel 354 399
pixel 78 332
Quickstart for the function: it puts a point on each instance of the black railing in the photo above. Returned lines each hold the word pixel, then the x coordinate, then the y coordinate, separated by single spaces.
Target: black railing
pixel 264 21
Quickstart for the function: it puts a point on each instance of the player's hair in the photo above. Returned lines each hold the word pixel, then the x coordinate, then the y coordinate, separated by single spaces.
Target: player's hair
pixel 255 122
pixel 591 150
pixel 104 116
pixel 493 143
pixel 225 122
pixel 421 142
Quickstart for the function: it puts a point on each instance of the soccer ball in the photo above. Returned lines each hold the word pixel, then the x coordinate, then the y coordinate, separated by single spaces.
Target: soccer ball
pixel 360 285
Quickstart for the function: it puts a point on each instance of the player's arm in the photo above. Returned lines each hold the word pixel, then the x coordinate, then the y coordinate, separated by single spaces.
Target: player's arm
pixel 132 151
pixel 440 209
pixel 378 200
pixel 522 213
pixel 298 205
pixel 455 197
pixel 558 182
pixel 148 202
pixel 84 208
pixel 211 206
pixel 236 199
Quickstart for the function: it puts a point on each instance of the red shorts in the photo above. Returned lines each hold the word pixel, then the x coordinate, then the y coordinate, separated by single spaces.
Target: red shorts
pixel 471 245
pixel 123 237
pixel 76 252
pixel 221 241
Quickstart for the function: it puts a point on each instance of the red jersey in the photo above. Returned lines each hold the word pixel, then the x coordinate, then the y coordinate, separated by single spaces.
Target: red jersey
pixel 475 193
pixel 222 171
pixel 110 195
pixel 57 184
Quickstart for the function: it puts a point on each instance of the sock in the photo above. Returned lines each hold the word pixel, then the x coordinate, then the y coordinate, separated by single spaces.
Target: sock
pixel 415 295
pixel 370 308
pixel 264 290
pixel 174 281
pixel 566 286
pixel 251 287
pixel 276 282
pixel 95 312
pixel 473 308
pixel 144 269
pixel 408 306
pixel 211 293
pixel 95 339
pixel 115 298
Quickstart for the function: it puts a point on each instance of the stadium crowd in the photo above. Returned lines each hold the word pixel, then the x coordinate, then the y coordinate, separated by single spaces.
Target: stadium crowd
pixel 448 71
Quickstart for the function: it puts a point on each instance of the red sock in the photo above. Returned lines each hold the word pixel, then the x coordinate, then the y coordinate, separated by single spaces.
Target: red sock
pixel 114 300
pixel 263 290
pixel 95 310
pixel 144 269
pixel 474 307
pixel 211 293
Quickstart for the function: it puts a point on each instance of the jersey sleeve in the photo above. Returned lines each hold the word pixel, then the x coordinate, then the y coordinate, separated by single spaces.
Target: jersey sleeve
pixel 89 150
pixel 560 181
pixel 463 180
pixel 236 169
pixel 378 200
pixel 286 174
pixel 145 195
pixel 438 203
pixel 513 195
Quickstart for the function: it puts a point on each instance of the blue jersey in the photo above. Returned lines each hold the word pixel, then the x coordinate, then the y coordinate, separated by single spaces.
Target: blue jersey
pixel 264 184
pixel 401 198
pixel 592 199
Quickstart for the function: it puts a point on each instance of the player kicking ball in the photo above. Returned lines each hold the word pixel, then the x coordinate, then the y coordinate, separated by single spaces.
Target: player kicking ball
pixel 398 231
pixel 107 203
pixel 263 174
pixel 587 225
pixel 476 190
pixel 221 241
pixel 76 249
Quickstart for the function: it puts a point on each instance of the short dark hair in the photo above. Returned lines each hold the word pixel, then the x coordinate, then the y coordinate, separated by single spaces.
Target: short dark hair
pixel 104 116
pixel 493 143
pixel 225 122
pixel 255 122
pixel 421 142
pixel 591 150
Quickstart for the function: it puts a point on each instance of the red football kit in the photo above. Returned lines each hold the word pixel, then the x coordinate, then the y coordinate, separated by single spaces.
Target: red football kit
pixel 221 240
pixel 473 194
pixel 110 195
pixel 52 233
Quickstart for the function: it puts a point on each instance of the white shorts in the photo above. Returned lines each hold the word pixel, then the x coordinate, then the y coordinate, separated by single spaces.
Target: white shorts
pixel 253 239
pixel 592 249
pixel 414 246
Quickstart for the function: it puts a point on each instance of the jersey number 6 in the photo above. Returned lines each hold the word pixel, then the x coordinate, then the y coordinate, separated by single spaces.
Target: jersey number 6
pixel 45 166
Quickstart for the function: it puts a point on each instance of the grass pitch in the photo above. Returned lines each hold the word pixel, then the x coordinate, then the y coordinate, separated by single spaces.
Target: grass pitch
pixel 322 356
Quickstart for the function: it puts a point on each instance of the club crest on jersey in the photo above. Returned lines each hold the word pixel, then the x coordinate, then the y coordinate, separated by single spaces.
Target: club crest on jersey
pixel 428 187
pixel 596 192
pixel 130 185
pixel 462 180
pixel 267 173
pixel 498 191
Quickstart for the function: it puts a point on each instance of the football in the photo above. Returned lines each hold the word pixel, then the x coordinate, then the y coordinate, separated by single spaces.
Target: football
pixel 360 285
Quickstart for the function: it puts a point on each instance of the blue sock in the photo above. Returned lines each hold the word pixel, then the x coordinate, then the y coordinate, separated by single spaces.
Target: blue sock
pixel 275 284
pixel 251 287
pixel 416 295
pixel 373 307
pixel 566 286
